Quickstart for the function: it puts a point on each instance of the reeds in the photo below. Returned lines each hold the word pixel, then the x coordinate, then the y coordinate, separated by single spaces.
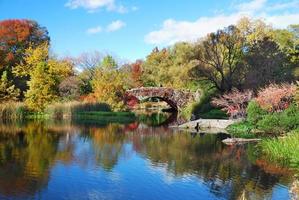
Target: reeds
pixel 283 150
pixel 12 111
pixel 69 109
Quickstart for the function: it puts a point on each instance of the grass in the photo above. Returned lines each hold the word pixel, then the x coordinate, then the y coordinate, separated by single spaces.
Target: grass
pixel 69 109
pixel 241 130
pixel 76 111
pixel 282 150
pixel 12 111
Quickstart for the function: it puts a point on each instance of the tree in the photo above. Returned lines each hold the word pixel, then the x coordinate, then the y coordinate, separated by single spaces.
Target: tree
pixel 136 73
pixel 170 67
pixel 109 63
pixel 15 37
pixel 43 74
pixel 220 59
pixel 8 92
pixel 70 88
pixel 234 102
pixel 109 83
pixel 42 88
pixel 253 30
pixel 154 68
pixel 265 64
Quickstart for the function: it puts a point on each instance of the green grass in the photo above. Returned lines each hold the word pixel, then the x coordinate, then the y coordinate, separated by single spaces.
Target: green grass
pixel 282 150
pixel 241 130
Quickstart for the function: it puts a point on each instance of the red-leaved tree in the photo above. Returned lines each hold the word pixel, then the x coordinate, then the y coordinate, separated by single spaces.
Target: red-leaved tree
pixel 15 36
pixel 234 103
pixel 136 72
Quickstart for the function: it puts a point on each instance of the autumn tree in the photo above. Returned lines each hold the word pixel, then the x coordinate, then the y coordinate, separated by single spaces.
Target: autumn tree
pixel 42 88
pixel 70 88
pixel 234 103
pixel 109 83
pixel 136 73
pixel 8 92
pixel 16 36
pixel 220 59
pixel 169 67
pixel 44 73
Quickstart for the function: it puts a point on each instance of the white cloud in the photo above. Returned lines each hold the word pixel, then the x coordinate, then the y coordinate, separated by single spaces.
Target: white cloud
pixel 251 6
pixel 282 6
pixel 115 25
pixel 174 31
pixel 93 5
pixel 94 30
pixel 112 27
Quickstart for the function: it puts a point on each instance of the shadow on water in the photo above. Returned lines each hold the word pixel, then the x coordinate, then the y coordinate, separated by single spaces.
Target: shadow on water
pixel 30 154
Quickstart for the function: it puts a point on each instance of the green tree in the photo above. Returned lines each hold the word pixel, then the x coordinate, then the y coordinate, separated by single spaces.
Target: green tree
pixel 220 59
pixel 266 63
pixel 170 67
pixel 8 92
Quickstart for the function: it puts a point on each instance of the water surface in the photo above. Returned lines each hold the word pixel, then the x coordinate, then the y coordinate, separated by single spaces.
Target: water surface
pixel 40 160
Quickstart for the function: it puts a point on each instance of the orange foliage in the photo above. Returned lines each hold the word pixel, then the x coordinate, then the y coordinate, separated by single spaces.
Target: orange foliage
pixel 15 36
pixel 136 73
pixel 90 98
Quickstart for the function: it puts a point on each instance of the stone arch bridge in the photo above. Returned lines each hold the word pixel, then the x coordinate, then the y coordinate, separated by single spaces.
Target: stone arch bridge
pixel 176 99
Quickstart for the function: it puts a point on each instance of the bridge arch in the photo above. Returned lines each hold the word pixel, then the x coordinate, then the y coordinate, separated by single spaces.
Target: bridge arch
pixel 176 99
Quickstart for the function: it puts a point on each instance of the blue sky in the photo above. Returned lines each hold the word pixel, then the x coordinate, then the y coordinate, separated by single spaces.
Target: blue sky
pixel 130 29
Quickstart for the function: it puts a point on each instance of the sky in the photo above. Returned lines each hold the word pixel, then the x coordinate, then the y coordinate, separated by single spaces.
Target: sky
pixel 130 29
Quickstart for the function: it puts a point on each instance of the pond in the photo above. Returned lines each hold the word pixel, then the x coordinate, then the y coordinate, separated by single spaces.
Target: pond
pixel 43 160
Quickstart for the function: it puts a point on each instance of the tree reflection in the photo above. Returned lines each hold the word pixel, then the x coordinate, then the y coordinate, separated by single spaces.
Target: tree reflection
pixel 225 170
pixel 25 158
pixel 28 153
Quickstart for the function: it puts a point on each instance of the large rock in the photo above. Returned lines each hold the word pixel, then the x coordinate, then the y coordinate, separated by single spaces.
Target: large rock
pixel 208 123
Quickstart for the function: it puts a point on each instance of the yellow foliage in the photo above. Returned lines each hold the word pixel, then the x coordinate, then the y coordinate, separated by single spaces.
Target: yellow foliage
pixel 33 56
pixel 109 87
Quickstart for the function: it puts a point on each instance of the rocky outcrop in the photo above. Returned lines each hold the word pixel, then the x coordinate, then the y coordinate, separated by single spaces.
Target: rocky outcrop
pixel 208 123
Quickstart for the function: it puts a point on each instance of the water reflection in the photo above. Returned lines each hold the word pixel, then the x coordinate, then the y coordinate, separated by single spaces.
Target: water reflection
pixel 34 156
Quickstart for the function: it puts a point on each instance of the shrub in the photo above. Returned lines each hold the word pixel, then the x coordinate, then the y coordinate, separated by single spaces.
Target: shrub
pixel 297 94
pixel 276 98
pixel 234 103
pixel 254 112
pixel 282 122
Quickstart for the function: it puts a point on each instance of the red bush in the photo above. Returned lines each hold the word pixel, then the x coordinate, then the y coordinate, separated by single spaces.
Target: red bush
pixel 275 98
pixel 234 103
